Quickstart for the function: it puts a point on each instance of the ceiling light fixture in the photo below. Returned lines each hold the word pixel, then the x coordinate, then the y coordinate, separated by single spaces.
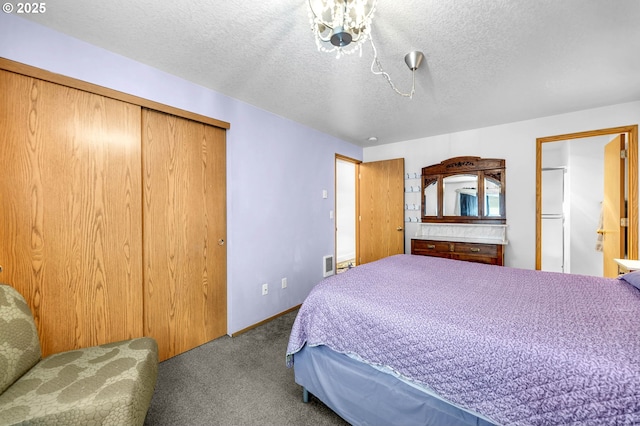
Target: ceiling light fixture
pixel 342 26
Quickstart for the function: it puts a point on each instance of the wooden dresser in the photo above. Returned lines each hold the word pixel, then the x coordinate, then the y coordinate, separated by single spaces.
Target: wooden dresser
pixel 463 213
pixel 492 254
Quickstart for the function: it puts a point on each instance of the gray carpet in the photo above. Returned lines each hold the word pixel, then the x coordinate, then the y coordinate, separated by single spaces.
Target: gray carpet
pixel 236 381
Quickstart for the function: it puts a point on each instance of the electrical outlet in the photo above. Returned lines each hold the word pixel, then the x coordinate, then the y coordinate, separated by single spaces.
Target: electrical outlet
pixel 284 283
pixel 265 289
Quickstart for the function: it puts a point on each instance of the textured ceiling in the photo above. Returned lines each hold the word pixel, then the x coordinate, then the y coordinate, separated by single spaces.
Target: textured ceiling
pixel 486 61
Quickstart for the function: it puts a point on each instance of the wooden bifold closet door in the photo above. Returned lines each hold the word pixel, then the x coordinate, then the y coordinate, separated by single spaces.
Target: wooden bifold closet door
pixel 70 211
pixel 184 213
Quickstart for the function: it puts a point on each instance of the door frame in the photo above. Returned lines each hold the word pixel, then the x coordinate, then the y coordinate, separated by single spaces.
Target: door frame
pixel 632 183
pixel 41 74
pixel 340 157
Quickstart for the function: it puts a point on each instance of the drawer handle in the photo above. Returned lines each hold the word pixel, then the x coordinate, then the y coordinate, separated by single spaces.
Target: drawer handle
pixel 431 246
pixel 475 249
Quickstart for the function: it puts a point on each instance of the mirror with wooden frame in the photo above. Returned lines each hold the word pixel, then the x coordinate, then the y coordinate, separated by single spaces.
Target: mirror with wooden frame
pixel 464 190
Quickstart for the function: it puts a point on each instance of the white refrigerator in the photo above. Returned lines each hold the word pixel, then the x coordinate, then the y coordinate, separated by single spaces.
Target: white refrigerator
pixel 553 220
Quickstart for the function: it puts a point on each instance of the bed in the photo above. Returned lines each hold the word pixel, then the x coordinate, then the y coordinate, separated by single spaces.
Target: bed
pixel 423 340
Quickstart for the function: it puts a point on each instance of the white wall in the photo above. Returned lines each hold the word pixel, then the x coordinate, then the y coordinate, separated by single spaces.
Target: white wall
pixel 278 224
pixel 586 175
pixel 516 143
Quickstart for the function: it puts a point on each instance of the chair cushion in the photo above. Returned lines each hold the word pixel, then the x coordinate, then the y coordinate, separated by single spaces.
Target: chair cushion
pixel 19 344
pixel 106 384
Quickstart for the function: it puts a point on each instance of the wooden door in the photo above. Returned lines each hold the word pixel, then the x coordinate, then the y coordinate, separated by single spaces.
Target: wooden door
pixel 70 215
pixel 380 209
pixel 613 206
pixel 184 232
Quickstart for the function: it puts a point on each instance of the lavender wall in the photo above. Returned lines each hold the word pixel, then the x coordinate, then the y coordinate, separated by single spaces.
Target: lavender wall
pixel 278 224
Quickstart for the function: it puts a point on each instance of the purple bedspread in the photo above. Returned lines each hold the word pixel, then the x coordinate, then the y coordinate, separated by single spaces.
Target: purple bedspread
pixel 516 346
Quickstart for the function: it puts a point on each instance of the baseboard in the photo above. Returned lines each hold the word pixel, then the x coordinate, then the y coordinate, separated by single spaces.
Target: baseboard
pixel 251 327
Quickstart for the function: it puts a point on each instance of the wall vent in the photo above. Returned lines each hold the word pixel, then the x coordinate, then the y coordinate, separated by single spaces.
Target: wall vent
pixel 327 265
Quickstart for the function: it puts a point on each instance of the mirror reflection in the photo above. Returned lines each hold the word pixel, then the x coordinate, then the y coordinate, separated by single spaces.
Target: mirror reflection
pixel 465 190
pixel 492 197
pixel 460 193
pixel 431 198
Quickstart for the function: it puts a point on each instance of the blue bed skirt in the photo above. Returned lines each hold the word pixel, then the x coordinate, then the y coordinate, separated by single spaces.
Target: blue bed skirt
pixel 364 395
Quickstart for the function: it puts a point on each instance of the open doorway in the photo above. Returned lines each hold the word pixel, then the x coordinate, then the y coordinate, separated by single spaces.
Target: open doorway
pixel 346 196
pixel 572 198
pixel 369 210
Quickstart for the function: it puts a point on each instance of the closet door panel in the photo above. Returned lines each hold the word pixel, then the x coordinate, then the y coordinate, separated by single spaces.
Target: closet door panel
pixel 70 215
pixel 184 212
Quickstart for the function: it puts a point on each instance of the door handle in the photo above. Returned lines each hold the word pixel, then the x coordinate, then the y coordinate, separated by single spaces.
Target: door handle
pixel 399 228
pixel 220 242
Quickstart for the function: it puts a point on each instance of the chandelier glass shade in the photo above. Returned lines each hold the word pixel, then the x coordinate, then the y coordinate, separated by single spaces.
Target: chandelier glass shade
pixel 341 25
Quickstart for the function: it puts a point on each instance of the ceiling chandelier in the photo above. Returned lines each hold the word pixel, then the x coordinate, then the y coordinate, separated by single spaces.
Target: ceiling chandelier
pixel 343 26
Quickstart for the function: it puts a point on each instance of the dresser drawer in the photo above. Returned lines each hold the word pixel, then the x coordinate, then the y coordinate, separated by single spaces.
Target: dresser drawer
pixel 429 248
pixel 490 260
pixel 471 252
pixel 476 249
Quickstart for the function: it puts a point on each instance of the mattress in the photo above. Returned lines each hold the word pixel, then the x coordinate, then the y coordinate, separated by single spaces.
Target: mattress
pixel 516 346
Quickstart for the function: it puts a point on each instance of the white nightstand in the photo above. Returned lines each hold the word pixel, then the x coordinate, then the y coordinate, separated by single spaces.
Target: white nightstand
pixel 626 265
